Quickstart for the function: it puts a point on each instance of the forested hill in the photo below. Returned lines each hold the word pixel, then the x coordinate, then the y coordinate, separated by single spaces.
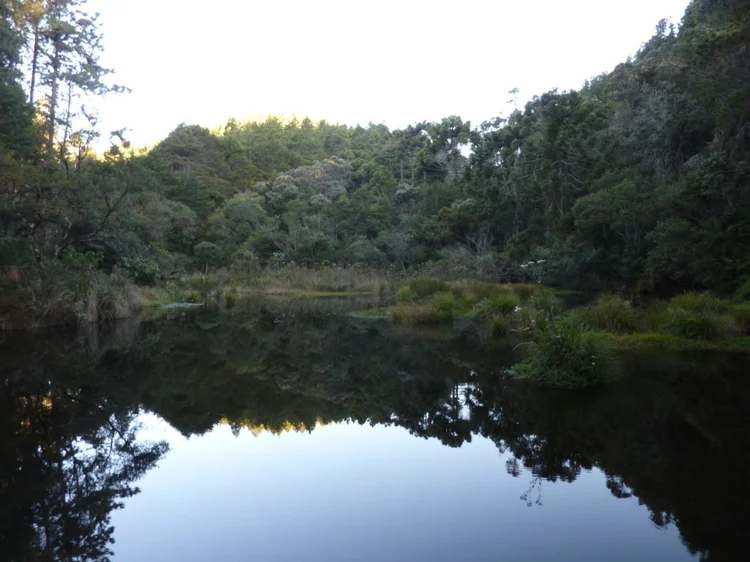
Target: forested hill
pixel 640 178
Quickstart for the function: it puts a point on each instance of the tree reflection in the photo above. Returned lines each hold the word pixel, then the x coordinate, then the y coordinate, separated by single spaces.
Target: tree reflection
pixel 69 458
pixel 674 435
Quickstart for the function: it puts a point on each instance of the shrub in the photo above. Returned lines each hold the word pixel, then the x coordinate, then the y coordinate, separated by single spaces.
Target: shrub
pixel 565 356
pixel 424 287
pixel 700 302
pixel 442 304
pixel 611 314
pixel 529 319
pixel 405 293
pixel 523 291
pixel 741 316
pixel 486 290
pixel 695 325
pixel 499 327
pixel 412 313
pixel 742 294
pixel 503 304
pixel 549 304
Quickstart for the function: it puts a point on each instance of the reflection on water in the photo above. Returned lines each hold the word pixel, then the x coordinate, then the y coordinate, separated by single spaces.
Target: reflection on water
pixel 672 437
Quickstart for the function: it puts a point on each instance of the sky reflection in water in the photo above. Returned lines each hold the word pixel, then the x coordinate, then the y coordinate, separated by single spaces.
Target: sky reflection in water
pixel 352 492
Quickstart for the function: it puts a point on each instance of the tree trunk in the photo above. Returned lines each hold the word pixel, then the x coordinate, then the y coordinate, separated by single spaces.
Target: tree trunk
pixel 34 63
pixel 53 101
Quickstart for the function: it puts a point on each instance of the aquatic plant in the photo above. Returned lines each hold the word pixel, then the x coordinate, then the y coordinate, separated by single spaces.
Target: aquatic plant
pixel 610 313
pixel 564 355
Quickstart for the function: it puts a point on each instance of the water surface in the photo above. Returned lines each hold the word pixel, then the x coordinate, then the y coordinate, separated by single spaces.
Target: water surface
pixel 297 432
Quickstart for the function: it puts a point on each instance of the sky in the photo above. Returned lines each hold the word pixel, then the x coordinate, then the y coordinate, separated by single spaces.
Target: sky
pixel 354 62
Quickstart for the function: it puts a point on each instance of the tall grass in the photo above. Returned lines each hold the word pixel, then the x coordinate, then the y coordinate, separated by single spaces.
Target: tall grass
pixel 566 356
pixel 331 279
pixel 53 296
pixel 610 313
pixel 700 302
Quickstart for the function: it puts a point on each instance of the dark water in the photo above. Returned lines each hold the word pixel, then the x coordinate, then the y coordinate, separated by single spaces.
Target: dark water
pixel 295 432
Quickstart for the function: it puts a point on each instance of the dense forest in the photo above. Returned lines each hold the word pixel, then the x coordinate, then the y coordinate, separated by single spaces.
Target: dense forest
pixel 640 179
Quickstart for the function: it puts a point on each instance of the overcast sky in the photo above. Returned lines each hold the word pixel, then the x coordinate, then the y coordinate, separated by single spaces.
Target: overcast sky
pixel 356 61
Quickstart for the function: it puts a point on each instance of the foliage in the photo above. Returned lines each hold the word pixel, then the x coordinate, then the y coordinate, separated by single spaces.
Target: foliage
pixel 566 356
pixel 636 180
pixel 609 313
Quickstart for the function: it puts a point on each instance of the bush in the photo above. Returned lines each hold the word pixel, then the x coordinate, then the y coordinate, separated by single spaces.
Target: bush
pixel 549 304
pixel 481 290
pixel 503 304
pixel 742 294
pixel 565 356
pixel 499 327
pixel 741 316
pixel 703 302
pixel 524 291
pixel 529 319
pixel 424 287
pixel 443 304
pixel 611 314
pixel 413 313
pixel 695 325
pixel 405 293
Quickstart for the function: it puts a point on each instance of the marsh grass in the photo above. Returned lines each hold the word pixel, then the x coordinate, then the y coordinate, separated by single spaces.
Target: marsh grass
pixel 56 296
pixel 609 313
pixel 692 325
pixel 329 279
pixel 701 303
pixel 565 356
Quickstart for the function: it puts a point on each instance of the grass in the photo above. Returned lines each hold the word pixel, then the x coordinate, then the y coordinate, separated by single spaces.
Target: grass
pixel 326 294
pixel 58 296
pixel 415 313
pixel 610 313
pixel 700 303
pixel 563 355
pixel 670 342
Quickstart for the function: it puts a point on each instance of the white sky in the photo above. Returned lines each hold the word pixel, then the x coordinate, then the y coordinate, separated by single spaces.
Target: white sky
pixel 355 61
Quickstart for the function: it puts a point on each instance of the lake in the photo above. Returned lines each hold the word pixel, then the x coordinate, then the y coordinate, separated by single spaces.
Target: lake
pixel 293 430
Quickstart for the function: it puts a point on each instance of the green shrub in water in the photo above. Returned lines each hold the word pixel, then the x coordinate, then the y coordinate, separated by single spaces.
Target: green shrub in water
pixel 499 327
pixel 504 304
pixel 524 291
pixel 486 290
pixel 547 303
pixel 742 294
pixel 705 326
pixel 415 313
pixel 530 320
pixel 443 305
pixel 563 355
pixel 741 316
pixel 611 314
pixel 700 302
pixel 405 293
pixel 424 287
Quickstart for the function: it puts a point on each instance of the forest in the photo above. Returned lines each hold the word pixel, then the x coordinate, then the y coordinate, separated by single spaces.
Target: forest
pixel 637 181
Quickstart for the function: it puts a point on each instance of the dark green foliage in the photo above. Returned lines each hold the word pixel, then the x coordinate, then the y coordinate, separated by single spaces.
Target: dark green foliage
pixel 694 325
pixel 610 313
pixel 423 287
pixel 638 180
pixel 566 355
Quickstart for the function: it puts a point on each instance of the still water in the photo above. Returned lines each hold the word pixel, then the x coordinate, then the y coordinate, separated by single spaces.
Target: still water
pixel 280 431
